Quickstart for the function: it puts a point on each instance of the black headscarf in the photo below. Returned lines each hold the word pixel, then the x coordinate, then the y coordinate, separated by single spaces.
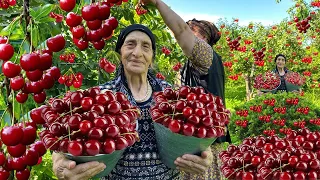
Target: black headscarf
pixel 135 27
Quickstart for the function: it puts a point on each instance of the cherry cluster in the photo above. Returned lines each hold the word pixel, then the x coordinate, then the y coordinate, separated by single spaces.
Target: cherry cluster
pixel 307 60
pixel 258 56
pixel 233 44
pixel 57 17
pixel 243 113
pixel 280 110
pixel 234 77
pixel 39 72
pixel 315 3
pixel 303 110
pixel 140 10
pixel 160 76
pixel 106 65
pixel 248 42
pixel 177 66
pixel 165 51
pixel 295 78
pixel 307 73
pixel 256 108
pixel 292 101
pixel 299 124
pixel 69 58
pixel 5 4
pixel 228 64
pixel 279 122
pixel 315 121
pixel 242 49
pixel 265 118
pixel 302 25
pixel 99 26
pixel 267 81
pixel 71 79
pixel 294 157
pixel 242 123
pixel 269 102
pixel 190 111
pixel 88 122
pixel 269 132
pixel 20 150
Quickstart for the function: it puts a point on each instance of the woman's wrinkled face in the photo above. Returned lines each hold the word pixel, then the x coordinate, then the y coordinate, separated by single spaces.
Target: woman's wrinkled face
pixel 280 62
pixel 136 53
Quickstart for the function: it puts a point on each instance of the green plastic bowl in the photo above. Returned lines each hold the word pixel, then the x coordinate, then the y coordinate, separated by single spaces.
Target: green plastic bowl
pixel 109 159
pixel 172 145
pixel 292 87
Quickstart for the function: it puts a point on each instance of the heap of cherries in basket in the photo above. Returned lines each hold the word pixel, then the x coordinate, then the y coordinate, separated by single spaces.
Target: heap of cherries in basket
pixel 190 112
pixel 88 122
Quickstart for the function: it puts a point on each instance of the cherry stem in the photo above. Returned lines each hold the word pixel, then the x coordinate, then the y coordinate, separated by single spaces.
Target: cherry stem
pixel 12 122
pixel 71 110
pixel 276 169
pixel 236 170
pixel 31 36
pixel 134 133
pixel 62 137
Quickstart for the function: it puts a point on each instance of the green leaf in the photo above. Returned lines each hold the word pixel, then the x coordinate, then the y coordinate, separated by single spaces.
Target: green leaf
pixel 35 36
pixel 46 20
pixel 9 29
pixel 32 13
pixel 43 11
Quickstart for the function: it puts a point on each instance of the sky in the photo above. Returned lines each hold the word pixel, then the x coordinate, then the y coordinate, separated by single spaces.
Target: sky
pixel 267 12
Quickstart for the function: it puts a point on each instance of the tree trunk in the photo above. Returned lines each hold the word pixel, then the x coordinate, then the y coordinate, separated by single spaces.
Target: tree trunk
pixel 247 79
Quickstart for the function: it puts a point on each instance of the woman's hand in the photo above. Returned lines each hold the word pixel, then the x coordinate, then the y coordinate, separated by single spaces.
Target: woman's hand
pixel 195 164
pixel 66 169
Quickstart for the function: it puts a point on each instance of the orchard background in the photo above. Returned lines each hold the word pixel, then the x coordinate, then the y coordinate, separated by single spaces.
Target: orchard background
pixel 29 24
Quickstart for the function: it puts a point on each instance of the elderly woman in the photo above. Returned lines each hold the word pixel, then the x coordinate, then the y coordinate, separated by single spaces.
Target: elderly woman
pixel 136 45
pixel 203 68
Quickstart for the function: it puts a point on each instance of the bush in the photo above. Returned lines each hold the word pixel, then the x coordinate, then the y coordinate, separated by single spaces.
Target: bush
pixel 273 114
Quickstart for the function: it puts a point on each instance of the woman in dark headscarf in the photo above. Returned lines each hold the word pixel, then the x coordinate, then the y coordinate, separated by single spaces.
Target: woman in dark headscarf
pixel 136 46
pixel 203 68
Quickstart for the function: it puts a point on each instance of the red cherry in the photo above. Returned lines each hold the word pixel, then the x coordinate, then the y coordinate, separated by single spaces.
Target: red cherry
pixel 34 75
pixel 112 131
pixel 113 22
pixel 99 45
pixel 94 24
pixel 10 69
pixel 109 146
pixel 96 133
pixel 6 52
pixel 73 19
pixel 40 97
pixel 175 126
pixel 39 147
pixel 11 135
pixel 17 150
pixel 121 143
pixel 67 5
pixel 23 174
pixel 56 43
pixel 92 147
pixel 106 30
pixel 109 67
pixel 31 157
pixel 104 12
pixel 188 129
pixel 75 148
pixel 85 126
pixel 114 107
pixel 90 12
pixel 29 135
pixel 201 132
pixel 45 61
pixel 78 32
pixel 16 83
